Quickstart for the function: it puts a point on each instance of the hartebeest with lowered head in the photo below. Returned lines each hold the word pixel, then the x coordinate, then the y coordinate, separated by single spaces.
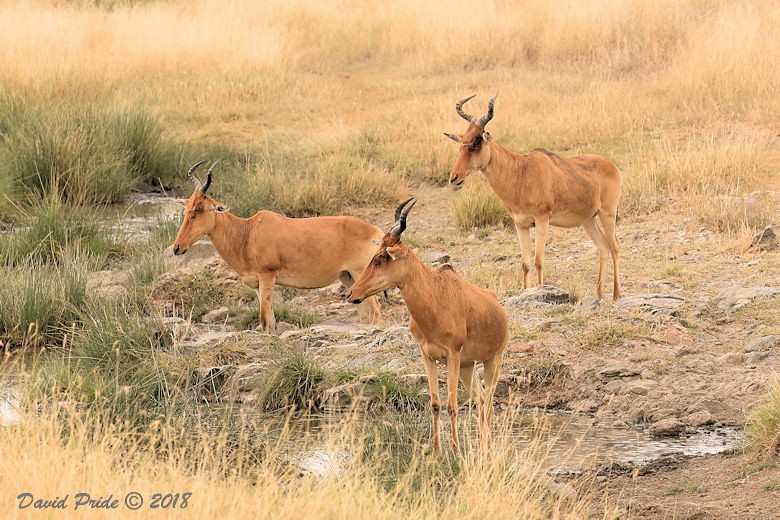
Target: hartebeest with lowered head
pixel 541 189
pixel 450 319
pixel 269 248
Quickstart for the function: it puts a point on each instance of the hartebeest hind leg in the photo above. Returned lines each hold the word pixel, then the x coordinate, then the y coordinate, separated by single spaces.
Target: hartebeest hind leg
pixel 265 292
pixel 592 229
pixel 608 222
pixel 453 375
pixel 492 371
pixel 433 387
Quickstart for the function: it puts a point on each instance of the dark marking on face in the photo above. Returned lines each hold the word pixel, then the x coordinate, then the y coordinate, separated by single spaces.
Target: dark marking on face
pixel 476 144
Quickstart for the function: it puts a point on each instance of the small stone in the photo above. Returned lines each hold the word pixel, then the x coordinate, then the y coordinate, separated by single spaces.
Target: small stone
pixel 737 297
pixel 766 240
pixel 216 316
pixel 590 303
pixel 546 295
pixel 342 397
pixel 763 344
pixel 437 258
pixel 283 326
pixel 667 427
pixel 701 418
pixel 731 359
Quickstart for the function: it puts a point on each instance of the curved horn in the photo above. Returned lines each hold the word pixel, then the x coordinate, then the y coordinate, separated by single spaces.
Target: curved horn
pixel 461 113
pixel 400 207
pixel 487 117
pixel 192 177
pixel 208 177
pixel 400 226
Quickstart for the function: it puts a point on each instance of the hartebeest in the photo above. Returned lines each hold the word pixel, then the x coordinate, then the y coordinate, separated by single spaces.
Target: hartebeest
pixel 269 248
pixel 450 319
pixel 541 189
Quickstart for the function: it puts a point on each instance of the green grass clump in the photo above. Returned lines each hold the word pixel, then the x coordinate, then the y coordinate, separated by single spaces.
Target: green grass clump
pixel 322 187
pixel 87 153
pixel 396 394
pixel 762 434
pixel 51 230
pixel 116 363
pixel 39 307
pixel 476 206
pixel 296 381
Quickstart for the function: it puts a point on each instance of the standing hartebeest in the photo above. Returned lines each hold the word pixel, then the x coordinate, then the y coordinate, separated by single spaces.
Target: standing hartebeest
pixel 541 189
pixel 450 319
pixel 269 248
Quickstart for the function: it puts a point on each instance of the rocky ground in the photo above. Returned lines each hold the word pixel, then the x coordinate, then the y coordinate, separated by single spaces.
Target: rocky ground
pixel 693 343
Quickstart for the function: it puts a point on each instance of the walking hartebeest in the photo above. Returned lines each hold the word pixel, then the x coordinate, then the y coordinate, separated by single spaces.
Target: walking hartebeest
pixel 541 189
pixel 450 319
pixel 269 248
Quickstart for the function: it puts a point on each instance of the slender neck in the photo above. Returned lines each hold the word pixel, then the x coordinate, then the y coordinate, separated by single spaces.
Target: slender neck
pixel 229 235
pixel 419 290
pixel 503 164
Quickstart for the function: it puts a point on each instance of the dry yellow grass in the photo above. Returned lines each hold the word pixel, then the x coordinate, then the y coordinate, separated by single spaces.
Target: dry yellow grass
pixel 102 459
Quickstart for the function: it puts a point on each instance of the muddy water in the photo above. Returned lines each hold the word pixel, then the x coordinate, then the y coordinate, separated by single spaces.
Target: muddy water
pixel 566 442
pixel 143 212
pixel 10 406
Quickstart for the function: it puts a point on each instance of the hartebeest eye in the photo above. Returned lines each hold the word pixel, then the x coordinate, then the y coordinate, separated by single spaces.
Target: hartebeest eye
pixel 476 143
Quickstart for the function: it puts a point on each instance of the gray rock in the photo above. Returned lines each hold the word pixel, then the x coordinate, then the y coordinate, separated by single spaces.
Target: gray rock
pixel 766 240
pixel 216 316
pixel 585 406
pixel 353 329
pixel 108 284
pixel 660 414
pixel 342 397
pixel 667 427
pixel 618 370
pixel 764 344
pixel 213 380
pixel 437 258
pixel 654 304
pixel 283 326
pixel 590 303
pixel 737 297
pixel 714 406
pixel 731 359
pixel 199 252
pixel 701 418
pixel 535 296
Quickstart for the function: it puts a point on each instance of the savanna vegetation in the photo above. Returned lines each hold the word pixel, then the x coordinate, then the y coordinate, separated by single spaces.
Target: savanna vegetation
pixel 322 108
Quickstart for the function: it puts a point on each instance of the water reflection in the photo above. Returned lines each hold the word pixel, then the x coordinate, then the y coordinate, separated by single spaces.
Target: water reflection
pixel 567 441
pixel 9 406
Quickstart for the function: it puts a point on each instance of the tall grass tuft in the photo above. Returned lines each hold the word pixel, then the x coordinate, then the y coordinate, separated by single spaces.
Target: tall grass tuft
pixel 477 206
pixel 88 153
pixel 50 230
pixel 762 433
pixel 40 307
pixel 295 382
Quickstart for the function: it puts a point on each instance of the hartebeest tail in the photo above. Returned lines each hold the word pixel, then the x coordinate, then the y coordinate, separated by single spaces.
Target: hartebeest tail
pixel 269 248
pixel 450 319
pixel 541 189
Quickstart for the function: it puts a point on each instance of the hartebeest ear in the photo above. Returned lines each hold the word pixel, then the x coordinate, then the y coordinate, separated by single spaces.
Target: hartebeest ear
pixel 396 252
pixel 455 138
pixel 486 137
pixel 219 208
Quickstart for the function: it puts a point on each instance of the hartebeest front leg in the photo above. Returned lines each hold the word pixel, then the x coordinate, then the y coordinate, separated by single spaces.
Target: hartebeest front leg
pixel 524 235
pixel 542 222
pixel 492 371
pixel 265 292
pixel 433 387
pixel 453 375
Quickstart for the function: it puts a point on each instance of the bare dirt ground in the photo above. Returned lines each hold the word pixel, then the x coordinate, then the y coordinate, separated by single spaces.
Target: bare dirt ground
pixel 693 343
